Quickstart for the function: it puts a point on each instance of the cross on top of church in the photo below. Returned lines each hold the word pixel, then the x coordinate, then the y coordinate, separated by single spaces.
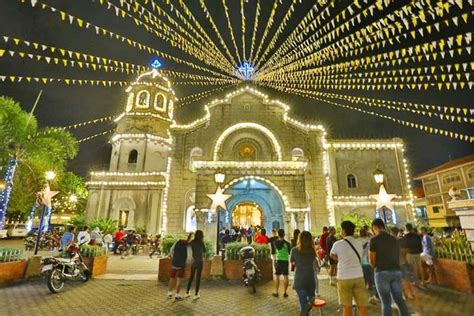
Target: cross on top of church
pixel 246 70
pixel 155 64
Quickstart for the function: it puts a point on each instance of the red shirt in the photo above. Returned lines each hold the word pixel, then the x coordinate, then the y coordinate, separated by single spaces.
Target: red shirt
pixel 322 241
pixel 119 235
pixel 262 239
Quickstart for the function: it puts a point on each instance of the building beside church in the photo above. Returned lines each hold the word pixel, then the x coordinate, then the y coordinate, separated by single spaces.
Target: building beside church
pixel 282 173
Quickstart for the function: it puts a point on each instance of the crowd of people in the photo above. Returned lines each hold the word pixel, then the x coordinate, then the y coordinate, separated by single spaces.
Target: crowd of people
pixel 370 265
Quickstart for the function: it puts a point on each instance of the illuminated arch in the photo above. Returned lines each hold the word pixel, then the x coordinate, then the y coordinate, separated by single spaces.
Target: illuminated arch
pixel 160 102
pixel 284 198
pixel 146 105
pixel 230 130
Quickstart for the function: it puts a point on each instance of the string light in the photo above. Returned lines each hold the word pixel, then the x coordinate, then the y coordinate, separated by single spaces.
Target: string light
pixel 6 191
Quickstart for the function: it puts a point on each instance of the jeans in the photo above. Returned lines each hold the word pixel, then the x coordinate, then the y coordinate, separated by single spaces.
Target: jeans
pixel 196 269
pixel 389 284
pixel 305 298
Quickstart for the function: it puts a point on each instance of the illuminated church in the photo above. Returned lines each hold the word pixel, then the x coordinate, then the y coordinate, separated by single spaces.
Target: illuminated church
pixel 280 172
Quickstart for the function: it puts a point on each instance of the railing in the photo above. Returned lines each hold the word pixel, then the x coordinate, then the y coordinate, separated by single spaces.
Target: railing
pixel 11 254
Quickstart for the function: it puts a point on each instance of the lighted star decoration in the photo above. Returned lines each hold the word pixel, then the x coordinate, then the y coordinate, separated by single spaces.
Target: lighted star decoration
pixel 45 196
pixel 219 198
pixel 383 199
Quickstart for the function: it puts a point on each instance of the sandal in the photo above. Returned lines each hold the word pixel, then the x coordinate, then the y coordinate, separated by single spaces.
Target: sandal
pixel 285 295
pixel 275 294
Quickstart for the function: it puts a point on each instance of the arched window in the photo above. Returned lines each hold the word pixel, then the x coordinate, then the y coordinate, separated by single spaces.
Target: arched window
pixel 133 156
pixel 351 181
pixel 160 102
pixel 191 222
pixel 143 99
pixel 196 154
pixel 297 154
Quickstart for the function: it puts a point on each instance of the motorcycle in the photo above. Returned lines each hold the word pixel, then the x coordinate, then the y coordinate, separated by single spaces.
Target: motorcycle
pixel 58 270
pixel 30 242
pixel 251 270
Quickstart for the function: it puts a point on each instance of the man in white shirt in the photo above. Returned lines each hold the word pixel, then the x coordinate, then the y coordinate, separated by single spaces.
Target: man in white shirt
pixel 83 237
pixel 350 277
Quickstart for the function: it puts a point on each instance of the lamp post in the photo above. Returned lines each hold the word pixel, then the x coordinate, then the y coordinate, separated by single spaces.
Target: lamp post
pixel 218 200
pixel 44 199
pixel 383 199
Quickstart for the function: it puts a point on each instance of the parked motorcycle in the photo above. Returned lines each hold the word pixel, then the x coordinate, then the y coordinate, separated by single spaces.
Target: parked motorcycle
pixel 58 270
pixel 251 270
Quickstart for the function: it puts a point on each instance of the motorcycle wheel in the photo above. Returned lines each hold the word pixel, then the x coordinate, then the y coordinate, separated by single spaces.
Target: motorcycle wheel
pixel 55 281
pixel 84 275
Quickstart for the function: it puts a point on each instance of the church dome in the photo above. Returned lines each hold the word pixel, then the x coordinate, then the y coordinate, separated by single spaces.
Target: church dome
pixel 151 93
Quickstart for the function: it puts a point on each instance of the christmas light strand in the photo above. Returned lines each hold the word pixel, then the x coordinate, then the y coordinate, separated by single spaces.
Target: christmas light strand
pixel 231 32
pixel 267 28
pixel 353 44
pixel 254 33
pixel 216 30
pixel 90 122
pixel 167 33
pixel 82 140
pixel 422 127
pixel 81 23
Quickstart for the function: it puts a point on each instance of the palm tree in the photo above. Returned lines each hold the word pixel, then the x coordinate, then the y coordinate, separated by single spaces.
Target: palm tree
pixel 28 151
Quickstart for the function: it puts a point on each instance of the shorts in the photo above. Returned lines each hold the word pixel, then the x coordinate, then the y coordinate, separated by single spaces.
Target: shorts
pixel 347 289
pixel 176 272
pixel 427 259
pixel 281 267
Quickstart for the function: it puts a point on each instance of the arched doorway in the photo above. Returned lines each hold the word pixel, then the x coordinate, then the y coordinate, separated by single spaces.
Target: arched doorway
pixel 259 197
pixel 247 214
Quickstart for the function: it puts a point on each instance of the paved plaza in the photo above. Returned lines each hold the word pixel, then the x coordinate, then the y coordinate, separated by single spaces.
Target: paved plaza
pixel 218 297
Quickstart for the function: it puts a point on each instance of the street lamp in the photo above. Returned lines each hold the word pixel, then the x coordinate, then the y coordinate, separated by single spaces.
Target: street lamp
pixel 50 175
pixel 378 176
pixel 44 199
pixel 219 177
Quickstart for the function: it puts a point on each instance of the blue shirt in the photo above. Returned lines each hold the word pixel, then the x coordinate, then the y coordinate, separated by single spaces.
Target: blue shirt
pixel 67 239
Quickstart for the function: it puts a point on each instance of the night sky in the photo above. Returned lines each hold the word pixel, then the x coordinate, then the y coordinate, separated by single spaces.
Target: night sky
pixel 61 105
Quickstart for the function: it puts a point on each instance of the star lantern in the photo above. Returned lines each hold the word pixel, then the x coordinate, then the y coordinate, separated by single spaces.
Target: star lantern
pixel 219 199
pixel 383 199
pixel 45 196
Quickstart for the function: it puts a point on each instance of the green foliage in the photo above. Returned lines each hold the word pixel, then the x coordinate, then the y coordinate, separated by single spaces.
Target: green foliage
pixel 140 230
pixel 37 151
pixel 262 252
pixel 10 254
pixel 357 219
pixel 106 226
pixel 78 221
pixel 70 184
pixel 168 241
pixel 456 247
pixel 89 251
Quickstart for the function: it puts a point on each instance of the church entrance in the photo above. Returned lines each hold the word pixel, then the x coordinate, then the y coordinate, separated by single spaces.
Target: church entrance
pixel 254 202
pixel 247 214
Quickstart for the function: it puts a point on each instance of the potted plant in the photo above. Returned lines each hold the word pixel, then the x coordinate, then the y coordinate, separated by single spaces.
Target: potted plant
pixel 95 258
pixel 233 263
pixel 12 265
pixel 164 266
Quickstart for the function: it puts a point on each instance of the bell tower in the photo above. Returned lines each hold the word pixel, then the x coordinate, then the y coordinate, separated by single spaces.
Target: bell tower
pixel 142 141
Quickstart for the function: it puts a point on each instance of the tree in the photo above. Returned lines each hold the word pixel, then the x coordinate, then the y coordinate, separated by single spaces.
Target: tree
pixel 36 150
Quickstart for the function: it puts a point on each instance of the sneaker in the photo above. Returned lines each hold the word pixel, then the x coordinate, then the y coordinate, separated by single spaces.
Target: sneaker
pixel 373 300
pixel 187 295
pixel 177 298
pixel 196 297
pixel 169 295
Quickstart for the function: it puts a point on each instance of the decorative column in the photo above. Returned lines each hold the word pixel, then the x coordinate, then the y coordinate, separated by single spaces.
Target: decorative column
pixel 287 218
pixel 300 218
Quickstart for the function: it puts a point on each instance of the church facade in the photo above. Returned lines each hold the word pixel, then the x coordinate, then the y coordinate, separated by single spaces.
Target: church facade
pixel 280 172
